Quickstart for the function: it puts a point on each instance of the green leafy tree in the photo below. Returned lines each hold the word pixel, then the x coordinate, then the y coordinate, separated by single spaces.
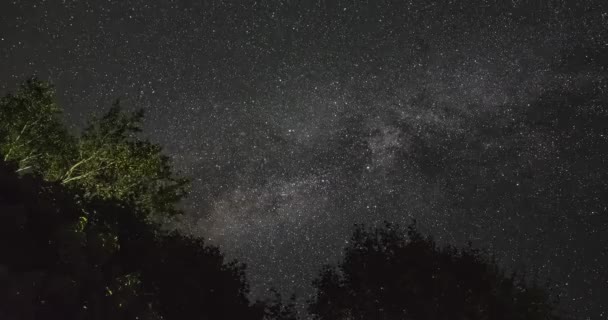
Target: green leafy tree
pixel 109 159
pixel 31 133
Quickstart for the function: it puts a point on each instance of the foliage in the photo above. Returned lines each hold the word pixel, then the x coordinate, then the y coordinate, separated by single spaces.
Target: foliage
pixel 31 133
pixel 109 160
pixel 55 262
pixel 276 309
pixel 386 275
pixel 64 257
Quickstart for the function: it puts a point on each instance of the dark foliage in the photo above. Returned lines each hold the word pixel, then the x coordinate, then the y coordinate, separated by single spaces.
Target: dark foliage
pixel 386 275
pixel 64 258
pixel 277 309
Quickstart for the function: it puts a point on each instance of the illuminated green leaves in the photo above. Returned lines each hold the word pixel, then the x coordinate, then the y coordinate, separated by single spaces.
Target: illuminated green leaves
pixel 108 160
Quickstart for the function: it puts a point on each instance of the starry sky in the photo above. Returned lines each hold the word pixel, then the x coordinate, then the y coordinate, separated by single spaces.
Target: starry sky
pixel 483 120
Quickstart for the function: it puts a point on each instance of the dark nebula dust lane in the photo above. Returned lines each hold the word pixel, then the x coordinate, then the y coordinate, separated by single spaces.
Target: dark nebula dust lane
pixel 485 121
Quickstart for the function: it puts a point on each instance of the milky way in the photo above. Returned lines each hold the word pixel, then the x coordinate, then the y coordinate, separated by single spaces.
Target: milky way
pixel 485 122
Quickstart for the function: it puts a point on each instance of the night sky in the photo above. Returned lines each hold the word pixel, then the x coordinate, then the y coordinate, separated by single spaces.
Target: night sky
pixel 483 120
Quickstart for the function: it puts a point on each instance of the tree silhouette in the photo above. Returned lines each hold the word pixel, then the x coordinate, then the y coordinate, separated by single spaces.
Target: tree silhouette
pixel 276 309
pixel 65 256
pixel 387 275
pixel 56 262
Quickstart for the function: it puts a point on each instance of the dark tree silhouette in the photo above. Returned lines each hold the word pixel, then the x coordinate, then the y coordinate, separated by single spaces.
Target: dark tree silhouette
pixel 277 309
pixel 55 261
pixel 65 256
pixel 387 275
